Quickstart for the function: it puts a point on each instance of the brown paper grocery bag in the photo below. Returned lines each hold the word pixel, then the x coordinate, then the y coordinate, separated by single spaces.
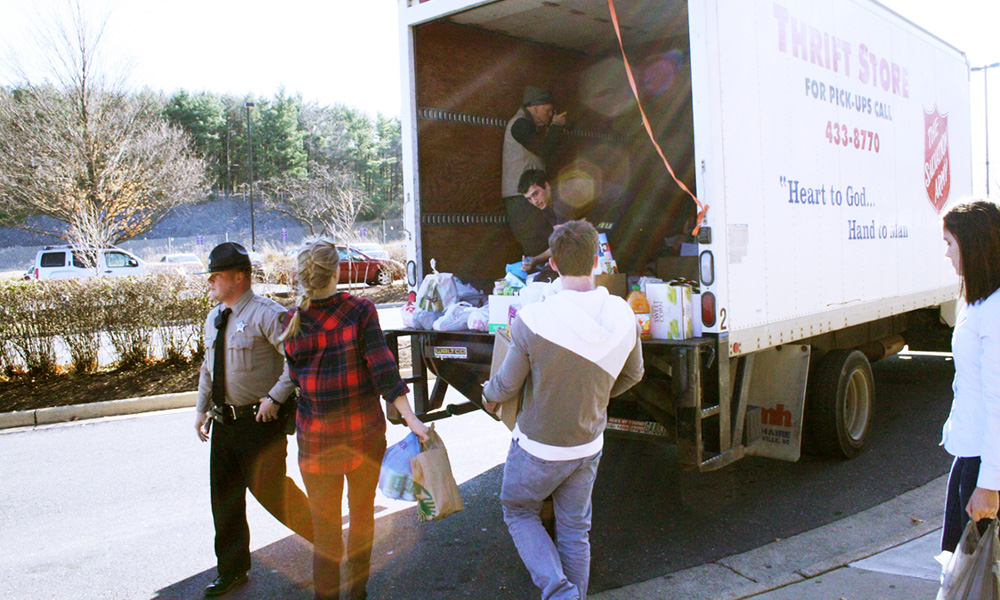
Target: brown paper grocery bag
pixel 435 488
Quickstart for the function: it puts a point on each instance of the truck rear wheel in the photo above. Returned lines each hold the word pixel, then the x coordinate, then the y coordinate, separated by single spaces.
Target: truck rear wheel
pixel 839 404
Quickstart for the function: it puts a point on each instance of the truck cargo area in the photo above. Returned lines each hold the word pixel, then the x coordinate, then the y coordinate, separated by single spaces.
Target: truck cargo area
pixel 470 69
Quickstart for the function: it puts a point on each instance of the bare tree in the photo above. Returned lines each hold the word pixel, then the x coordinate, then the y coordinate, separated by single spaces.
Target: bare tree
pixel 81 150
pixel 325 203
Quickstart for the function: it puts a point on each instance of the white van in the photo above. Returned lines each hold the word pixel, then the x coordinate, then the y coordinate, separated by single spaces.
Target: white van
pixel 66 262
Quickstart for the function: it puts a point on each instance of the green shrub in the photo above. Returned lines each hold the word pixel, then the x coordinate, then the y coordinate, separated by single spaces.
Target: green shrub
pixel 179 316
pixel 80 321
pixel 30 313
pixel 128 314
pixel 129 317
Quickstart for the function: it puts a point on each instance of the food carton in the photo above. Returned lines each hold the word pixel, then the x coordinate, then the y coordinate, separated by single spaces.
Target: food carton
pixel 671 311
pixel 500 310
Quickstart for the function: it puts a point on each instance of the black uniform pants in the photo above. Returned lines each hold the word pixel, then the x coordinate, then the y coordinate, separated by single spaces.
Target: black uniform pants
pixel 251 455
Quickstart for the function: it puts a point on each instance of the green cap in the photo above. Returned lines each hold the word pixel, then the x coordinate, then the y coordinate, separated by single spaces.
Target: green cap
pixel 536 95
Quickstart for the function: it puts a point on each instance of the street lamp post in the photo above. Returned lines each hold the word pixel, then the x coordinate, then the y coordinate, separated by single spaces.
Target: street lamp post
pixel 986 117
pixel 253 232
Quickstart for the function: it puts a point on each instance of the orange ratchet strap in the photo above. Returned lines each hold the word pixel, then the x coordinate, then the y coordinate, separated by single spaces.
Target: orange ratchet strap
pixel 702 209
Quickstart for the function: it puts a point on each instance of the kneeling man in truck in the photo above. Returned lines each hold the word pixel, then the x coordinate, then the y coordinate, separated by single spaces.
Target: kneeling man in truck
pixel 600 203
pixel 535 187
pixel 581 347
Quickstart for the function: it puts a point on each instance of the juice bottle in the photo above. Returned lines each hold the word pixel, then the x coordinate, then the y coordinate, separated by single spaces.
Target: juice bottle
pixel 640 306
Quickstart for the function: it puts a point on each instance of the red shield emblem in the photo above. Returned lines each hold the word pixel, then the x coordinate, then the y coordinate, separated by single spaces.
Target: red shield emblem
pixel 937 166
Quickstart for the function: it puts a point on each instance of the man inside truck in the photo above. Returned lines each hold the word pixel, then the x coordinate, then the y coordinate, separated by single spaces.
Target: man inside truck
pixel 533 137
pixel 534 187
pixel 601 204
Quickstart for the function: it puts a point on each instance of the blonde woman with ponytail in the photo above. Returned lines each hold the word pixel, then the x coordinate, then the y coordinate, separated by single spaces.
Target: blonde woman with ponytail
pixel 339 360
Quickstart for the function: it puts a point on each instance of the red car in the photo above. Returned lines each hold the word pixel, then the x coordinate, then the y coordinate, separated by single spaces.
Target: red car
pixel 357 267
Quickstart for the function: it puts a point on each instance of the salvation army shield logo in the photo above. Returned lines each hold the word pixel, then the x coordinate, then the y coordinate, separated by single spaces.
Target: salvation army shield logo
pixel 937 167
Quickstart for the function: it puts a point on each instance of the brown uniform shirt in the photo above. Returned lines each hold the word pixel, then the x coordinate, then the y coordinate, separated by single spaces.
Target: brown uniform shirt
pixel 255 359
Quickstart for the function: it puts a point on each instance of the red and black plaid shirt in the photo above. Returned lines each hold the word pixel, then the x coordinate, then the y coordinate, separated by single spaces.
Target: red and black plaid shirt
pixel 341 365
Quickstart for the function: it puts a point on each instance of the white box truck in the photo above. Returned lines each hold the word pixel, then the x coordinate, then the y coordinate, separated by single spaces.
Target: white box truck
pixel 825 138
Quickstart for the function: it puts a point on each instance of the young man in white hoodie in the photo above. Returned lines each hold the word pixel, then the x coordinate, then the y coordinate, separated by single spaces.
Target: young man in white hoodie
pixel 569 354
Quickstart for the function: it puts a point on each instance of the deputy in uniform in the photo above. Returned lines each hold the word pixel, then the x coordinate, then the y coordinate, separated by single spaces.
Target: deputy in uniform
pixel 244 382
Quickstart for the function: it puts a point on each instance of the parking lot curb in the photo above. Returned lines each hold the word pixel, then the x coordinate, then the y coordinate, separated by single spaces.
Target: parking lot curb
pixel 96 410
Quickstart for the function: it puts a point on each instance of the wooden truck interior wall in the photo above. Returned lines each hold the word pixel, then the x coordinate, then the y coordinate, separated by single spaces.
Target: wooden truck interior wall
pixel 472 71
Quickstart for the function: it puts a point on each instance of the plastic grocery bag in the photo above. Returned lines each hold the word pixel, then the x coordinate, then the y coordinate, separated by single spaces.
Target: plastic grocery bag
pixel 456 318
pixel 395 480
pixel 424 320
pixel 407 311
pixel 469 293
pixel 436 491
pixel 437 291
pixel 479 319
pixel 517 269
pixel 973 573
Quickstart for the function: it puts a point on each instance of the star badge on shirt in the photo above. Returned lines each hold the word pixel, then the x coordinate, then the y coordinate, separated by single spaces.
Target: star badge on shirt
pixel 240 326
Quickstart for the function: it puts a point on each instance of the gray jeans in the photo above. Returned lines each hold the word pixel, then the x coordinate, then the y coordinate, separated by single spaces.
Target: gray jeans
pixel 561 569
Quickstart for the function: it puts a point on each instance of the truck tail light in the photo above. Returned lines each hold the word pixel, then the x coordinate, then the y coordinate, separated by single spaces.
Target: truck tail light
pixel 708 309
pixel 706 267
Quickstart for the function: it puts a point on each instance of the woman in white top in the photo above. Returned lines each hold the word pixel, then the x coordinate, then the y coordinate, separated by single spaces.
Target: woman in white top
pixel 972 431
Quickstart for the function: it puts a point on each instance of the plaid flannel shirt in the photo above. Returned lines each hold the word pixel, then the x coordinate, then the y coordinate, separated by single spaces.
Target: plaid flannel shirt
pixel 341 364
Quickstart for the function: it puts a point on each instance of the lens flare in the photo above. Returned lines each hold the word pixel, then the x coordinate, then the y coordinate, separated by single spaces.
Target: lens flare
pixel 658 72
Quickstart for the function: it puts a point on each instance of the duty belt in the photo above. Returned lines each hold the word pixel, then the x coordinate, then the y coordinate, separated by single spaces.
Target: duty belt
pixel 224 413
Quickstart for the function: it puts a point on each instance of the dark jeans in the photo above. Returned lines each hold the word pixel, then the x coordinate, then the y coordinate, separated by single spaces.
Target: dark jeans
pixel 326 492
pixel 961 484
pixel 251 455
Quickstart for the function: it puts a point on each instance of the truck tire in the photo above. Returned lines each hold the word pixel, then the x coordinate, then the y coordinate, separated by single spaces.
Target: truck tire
pixel 839 403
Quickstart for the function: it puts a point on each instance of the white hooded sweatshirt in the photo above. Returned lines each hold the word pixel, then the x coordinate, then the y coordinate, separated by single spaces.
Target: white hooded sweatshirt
pixel 569 354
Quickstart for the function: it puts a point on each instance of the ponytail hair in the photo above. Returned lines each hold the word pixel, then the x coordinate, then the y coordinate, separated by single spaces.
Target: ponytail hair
pixel 318 265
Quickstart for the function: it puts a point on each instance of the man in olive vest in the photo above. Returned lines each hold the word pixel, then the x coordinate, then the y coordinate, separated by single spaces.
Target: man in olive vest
pixel 533 137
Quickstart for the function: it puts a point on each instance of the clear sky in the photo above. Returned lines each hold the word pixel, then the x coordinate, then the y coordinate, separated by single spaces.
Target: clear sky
pixel 330 51
pixel 347 50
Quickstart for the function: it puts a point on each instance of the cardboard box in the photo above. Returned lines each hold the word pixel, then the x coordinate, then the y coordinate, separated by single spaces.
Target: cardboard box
pixel 669 268
pixel 500 310
pixel 507 412
pixel 617 283
pixel 671 311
